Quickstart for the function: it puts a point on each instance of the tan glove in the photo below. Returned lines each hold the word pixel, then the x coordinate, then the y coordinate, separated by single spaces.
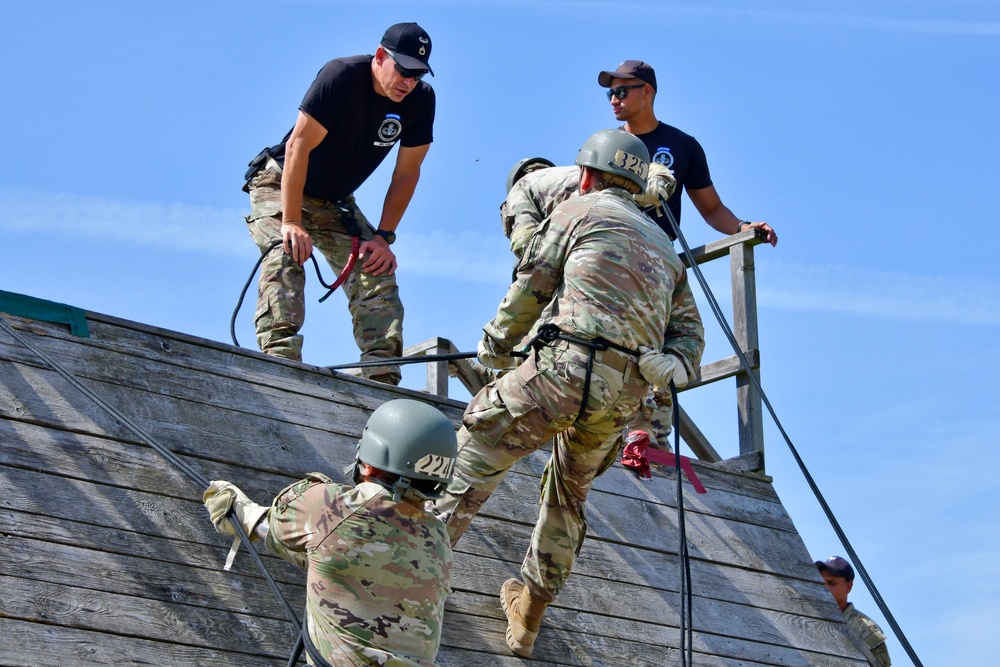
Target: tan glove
pixel 488 355
pixel 220 496
pixel 658 368
pixel 659 183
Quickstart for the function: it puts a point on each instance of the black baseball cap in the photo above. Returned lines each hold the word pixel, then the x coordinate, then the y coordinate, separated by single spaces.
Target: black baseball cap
pixel 837 566
pixel 410 46
pixel 630 69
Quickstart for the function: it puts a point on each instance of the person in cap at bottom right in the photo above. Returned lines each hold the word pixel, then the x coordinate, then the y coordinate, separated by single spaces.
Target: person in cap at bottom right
pixel 838 575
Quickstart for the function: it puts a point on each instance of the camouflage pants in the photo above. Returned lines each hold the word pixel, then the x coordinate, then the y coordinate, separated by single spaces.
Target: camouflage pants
pixel 373 301
pixel 512 417
pixel 656 417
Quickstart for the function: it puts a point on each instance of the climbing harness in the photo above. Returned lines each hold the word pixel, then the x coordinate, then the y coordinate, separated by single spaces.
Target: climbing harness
pixel 350 222
pixel 549 333
pixel 172 458
pixel 745 365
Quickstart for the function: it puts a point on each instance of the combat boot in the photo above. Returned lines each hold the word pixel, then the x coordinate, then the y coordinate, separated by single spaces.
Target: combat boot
pixel 524 616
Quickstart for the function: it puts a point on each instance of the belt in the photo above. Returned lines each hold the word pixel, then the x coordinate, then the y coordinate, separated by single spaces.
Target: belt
pixel 613 359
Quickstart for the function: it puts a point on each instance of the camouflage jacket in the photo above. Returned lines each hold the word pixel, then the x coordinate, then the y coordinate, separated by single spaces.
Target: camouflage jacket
pixel 599 267
pixel 532 199
pixel 869 632
pixel 377 571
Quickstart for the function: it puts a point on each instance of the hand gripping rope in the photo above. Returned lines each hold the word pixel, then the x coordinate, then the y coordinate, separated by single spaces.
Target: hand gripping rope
pixel 351 224
pixel 183 467
pixel 745 365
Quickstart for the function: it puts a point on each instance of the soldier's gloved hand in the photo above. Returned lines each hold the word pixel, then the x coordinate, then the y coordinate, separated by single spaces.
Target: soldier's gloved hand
pixel 220 496
pixel 488 355
pixel 659 183
pixel 656 367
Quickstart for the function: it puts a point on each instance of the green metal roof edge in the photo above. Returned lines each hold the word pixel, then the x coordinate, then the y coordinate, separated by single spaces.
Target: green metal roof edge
pixel 47 311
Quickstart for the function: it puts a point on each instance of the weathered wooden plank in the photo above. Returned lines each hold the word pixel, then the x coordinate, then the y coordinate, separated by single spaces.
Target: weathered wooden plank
pixel 29 442
pixel 642 523
pixel 83 497
pixel 741 544
pixel 723 369
pixel 721 247
pixel 621 610
pixel 506 545
pixel 153 580
pixel 251 394
pixel 175 576
pixel 124 464
pixel 208 359
pixel 579 640
pixel 31 643
pixel 87 609
pixel 43 397
pixel 155 583
pixel 120 542
pixel 748 400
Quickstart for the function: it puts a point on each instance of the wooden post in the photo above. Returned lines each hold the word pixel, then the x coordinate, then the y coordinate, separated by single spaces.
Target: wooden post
pixel 437 371
pixel 751 423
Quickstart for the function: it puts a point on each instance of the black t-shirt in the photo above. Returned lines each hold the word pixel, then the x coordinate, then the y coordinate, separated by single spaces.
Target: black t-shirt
pixel 362 126
pixel 684 156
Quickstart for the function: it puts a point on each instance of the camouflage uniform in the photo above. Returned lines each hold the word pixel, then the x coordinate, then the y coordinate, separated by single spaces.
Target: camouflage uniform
pixel 656 417
pixel 869 632
pixel 378 572
pixel 376 309
pixel 596 267
pixel 530 201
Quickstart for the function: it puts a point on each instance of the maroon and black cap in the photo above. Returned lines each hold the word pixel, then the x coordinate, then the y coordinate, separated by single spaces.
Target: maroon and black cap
pixel 837 566
pixel 410 46
pixel 630 69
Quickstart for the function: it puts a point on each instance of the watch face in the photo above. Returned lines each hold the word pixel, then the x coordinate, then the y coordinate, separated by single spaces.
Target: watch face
pixel 389 237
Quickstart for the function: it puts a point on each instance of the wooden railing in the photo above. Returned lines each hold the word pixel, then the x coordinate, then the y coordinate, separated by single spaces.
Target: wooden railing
pixel 739 249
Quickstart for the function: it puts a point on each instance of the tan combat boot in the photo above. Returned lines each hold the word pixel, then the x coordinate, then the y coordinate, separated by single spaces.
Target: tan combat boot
pixel 524 616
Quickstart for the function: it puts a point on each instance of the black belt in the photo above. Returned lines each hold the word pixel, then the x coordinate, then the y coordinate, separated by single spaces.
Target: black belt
pixel 549 333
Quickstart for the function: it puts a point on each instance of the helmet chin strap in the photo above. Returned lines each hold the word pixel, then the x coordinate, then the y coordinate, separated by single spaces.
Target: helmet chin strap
pixel 399 488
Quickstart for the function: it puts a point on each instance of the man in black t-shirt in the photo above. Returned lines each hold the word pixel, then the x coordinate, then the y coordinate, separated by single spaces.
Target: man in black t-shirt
pixel 301 194
pixel 632 89
pixel 632 92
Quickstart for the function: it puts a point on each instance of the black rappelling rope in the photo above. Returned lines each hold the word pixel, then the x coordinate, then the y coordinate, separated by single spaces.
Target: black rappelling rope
pixel 686 589
pixel 745 364
pixel 402 361
pixel 246 286
pixel 172 458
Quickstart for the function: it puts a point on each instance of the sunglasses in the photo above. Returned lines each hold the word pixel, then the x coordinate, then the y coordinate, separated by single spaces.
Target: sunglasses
pixel 415 74
pixel 621 92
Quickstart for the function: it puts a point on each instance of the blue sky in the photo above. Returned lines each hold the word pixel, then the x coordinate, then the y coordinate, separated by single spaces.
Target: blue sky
pixel 863 132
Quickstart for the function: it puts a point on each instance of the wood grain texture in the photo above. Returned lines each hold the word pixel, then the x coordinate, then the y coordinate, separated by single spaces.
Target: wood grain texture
pixel 107 556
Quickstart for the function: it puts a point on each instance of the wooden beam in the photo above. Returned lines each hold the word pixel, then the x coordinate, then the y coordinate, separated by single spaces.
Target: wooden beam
pixel 723 369
pixel 437 371
pixel 749 462
pixel 748 402
pixel 721 248
pixel 696 440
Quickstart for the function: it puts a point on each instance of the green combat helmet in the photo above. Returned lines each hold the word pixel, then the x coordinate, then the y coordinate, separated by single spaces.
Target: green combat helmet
pixel 524 167
pixel 413 440
pixel 617 153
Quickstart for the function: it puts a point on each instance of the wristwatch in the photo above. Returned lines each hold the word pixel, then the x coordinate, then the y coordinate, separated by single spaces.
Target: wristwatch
pixel 390 237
